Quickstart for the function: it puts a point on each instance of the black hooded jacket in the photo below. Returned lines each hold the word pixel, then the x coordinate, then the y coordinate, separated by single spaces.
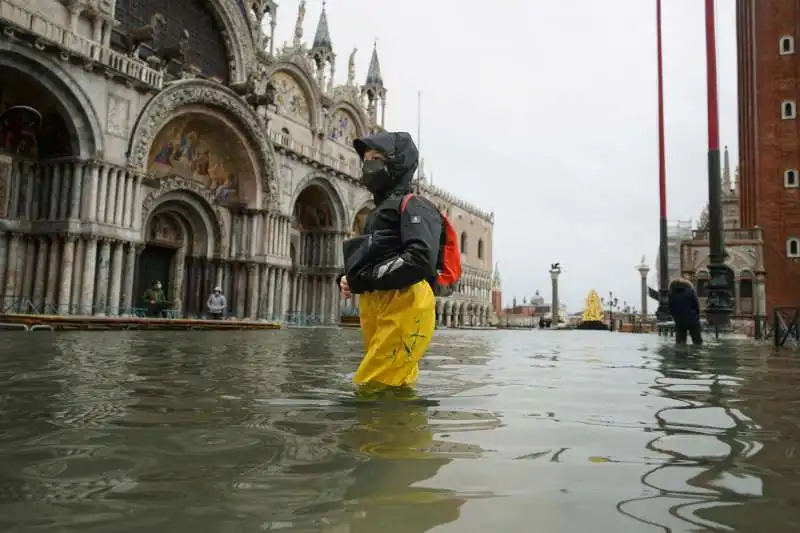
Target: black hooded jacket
pixel 683 303
pixel 395 250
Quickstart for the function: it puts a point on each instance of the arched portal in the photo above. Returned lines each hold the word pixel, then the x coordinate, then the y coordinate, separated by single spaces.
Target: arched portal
pixel 180 238
pixel 318 216
pixel 205 147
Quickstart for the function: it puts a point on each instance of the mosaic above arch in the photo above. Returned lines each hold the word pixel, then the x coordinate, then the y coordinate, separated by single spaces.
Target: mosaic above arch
pixel 290 97
pixel 203 149
pixel 343 127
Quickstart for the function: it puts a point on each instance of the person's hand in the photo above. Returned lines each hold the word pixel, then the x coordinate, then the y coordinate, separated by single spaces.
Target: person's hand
pixel 345 287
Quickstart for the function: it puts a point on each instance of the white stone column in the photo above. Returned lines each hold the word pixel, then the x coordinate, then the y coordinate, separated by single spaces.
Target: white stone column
pixel 28 268
pixel 102 194
pixel 63 170
pixel 252 290
pixel 92 176
pixel 79 255
pixel 284 293
pixel 101 290
pixel 263 292
pixel 137 202
pixel 129 277
pixel 324 294
pixel 76 173
pixel 116 280
pixel 111 196
pixel 55 191
pixel 335 301
pixel 254 232
pixel 240 280
pixel 65 285
pixel 128 219
pixel 271 293
pixel 87 274
pixel 178 277
pixel 40 274
pixel 119 210
pixel 12 272
pixel 54 274
pixel 4 238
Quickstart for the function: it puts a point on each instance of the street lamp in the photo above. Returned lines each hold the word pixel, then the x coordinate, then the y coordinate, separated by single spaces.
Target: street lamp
pixel 612 303
pixel 719 304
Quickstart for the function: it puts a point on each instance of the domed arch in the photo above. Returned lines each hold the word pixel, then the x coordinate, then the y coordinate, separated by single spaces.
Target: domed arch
pixel 73 104
pixel 317 199
pixel 283 75
pixel 206 101
pixel 238 38
pixel 347 123
pixel 195 216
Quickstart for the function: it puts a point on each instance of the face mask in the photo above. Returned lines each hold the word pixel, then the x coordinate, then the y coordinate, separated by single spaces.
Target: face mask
pixel 375 176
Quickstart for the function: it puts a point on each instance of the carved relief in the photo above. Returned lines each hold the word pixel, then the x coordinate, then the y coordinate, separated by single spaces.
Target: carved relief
pixel 118 116
pixel 182 184
pixel 287 174
pixel 169 102
pixel 290 97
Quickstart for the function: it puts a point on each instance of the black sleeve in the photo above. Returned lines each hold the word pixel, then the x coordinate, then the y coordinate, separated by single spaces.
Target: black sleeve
pixel 420 231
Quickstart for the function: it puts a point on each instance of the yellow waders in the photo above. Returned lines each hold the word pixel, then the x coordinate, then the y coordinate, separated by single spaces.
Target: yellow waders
pixel 397 327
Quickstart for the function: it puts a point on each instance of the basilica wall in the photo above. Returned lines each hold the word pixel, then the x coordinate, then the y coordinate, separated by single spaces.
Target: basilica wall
pixel 141 142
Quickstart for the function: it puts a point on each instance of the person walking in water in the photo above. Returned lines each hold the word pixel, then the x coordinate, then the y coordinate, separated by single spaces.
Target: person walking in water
pixel 216 303
pixel 684 306
pixel 406 251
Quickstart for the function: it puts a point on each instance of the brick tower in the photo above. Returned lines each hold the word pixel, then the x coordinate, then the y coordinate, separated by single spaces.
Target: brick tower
pixel 769 138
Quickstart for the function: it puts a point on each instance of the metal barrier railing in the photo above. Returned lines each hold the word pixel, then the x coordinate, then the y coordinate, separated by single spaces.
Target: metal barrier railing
pixel 785 325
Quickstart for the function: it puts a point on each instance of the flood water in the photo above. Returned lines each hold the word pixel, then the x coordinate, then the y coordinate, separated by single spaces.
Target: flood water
pixel 231 432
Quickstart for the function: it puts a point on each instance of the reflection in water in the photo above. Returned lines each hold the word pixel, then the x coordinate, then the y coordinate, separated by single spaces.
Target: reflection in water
pixel 227 432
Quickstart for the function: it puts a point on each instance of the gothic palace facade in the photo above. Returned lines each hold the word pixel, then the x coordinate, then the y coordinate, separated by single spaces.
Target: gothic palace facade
pixel 143 141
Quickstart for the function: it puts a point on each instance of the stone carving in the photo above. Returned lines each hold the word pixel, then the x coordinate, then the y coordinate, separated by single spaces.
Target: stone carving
pixel 182 184
pixel 118 116
pixel 290 97
pixel 298 25
pixel 351 67
pixel 184 93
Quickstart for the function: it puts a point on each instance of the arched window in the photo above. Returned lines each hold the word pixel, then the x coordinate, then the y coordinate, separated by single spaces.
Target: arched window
pixel 793 247
pixel 464 242
pixel 480 248
pixel 790 178
pixel 786 45
pixel 788 110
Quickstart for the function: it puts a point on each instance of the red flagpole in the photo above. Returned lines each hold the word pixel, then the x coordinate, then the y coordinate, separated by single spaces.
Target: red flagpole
pixel 663 266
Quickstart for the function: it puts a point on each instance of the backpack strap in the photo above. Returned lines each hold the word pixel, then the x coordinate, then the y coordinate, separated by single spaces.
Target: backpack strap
pixel 404 203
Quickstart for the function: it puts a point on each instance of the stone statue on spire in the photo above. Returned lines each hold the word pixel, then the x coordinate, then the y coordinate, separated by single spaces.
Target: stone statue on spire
pixel 298 26
pixel 351 68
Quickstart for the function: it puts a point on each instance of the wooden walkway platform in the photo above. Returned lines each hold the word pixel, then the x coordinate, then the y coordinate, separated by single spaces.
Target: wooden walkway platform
pixel 99 323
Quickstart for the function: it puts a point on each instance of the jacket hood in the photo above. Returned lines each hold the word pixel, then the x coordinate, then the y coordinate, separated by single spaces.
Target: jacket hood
pixel 681 285
pixel 402 156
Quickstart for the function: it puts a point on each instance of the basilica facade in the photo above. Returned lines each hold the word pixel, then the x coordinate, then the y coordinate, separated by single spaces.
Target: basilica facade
pixel 147 140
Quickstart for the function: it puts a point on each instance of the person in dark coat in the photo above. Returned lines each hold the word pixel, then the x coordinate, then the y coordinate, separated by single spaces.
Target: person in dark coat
pixel 684 307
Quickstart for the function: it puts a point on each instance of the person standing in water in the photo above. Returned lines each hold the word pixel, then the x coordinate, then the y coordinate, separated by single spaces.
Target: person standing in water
pixel 396 264
pixel 684 306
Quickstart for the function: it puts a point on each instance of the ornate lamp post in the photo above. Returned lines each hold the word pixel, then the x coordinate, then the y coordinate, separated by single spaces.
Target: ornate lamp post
pixel 555 271
pixel 719 304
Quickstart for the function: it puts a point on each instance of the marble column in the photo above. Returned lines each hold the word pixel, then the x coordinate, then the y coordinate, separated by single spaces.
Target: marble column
pixel 4 238
pixel 12 272
pixel 102 194
pixel 178 277
pixel 88 275
pixel 127 282
pixel 55 194
pixel 128 201
pixel 284 293
pixel 103 265
pixel 241 290
pixel 111 196
pixel 137 202
pixel 116 280
pixel 263 292
pixel 75 170
pixel 63 170
pixel 271 294
pixel 324 295
pixel 65 286
pixel 41 274
pixel 119 209
pixel 92 178
pixel 54 274
pixel 29 271
pixel 335 301
pixel 252 290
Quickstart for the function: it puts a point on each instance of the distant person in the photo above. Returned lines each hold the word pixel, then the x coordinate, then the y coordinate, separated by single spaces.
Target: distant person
pixel 155 300
pixel 684 306
pixel 216 304
pixel 405 254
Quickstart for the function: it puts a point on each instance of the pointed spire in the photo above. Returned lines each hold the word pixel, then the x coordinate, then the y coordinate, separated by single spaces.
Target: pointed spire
pixel 374 72
pixel 726 173
pixel 496 282
pixel 322 37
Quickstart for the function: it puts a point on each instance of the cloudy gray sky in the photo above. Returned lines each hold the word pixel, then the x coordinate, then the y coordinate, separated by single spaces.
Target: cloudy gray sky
pixel 545 112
